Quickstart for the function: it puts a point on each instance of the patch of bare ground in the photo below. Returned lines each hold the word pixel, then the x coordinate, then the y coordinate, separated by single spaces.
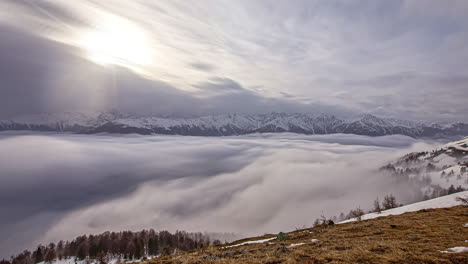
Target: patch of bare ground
pixel 416 237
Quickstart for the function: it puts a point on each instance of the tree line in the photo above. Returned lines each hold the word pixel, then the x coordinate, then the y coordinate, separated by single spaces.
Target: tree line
pixel 125 245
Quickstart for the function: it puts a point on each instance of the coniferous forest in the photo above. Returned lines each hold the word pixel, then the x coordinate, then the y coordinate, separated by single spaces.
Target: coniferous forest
pixel 121 246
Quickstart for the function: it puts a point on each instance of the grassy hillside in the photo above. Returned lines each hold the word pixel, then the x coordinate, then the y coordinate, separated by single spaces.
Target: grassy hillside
pixel 416 237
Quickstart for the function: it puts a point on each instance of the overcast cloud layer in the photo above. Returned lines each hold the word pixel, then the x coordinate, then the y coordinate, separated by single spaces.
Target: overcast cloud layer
pixel 60 186
pixel 402 58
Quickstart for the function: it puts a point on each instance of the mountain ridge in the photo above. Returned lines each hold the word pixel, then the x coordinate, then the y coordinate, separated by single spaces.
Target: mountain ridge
pixel 231 125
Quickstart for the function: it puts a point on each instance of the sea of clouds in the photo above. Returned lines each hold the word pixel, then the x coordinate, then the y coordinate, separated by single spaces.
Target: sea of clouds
pixel 58 186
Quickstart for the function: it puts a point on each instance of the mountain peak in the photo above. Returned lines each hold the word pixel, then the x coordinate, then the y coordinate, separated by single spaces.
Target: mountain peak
pixel 230 124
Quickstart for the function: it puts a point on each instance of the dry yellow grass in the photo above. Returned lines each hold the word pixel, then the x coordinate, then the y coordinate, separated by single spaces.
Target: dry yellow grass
pixel 416 237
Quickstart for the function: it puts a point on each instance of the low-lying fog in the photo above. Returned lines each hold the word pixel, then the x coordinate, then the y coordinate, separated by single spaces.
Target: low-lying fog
pixel 58 186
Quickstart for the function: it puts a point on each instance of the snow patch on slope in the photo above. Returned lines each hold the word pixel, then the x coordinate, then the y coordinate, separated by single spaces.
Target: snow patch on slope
pixel 441 202
pixel 455 250
pixel 111 260
pixel 251 242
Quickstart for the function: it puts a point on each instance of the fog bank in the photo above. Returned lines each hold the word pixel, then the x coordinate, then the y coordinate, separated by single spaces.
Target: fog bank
pixel 60 186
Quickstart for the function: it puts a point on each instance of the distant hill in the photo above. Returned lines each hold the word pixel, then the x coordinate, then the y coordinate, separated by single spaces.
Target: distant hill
pixel 439 171
pixel 231 124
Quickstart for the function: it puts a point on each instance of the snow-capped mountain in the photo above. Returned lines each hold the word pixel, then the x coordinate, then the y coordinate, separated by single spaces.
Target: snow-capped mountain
pixel 230 124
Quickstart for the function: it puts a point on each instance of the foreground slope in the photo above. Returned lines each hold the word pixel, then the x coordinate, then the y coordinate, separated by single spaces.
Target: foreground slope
pixel 425 236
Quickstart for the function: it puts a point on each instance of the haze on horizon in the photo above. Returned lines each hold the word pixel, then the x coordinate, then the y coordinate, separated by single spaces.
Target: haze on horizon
pixel 404 59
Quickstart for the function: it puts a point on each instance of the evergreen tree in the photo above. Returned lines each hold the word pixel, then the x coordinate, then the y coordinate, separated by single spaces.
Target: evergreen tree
pixel 138 248
pixel 50 255
pixel 130 245
pixel 93 250
pixel 131 250
pixel 82 251
pixel 60 250
pixel 38 255
pixel 102 257
pixel 451 189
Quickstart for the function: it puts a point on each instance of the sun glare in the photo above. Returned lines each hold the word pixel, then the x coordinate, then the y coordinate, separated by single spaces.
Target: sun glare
pixel 117 42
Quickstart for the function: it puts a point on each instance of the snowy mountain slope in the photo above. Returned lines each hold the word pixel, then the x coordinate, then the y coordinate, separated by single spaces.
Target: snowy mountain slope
pixel 66 122
pixel 230 124
pixel 437 172
pixel 448 155
pixel 440 202
pixel 460 146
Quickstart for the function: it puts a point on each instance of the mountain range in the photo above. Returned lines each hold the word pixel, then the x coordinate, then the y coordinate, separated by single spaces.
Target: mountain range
pixel 231 124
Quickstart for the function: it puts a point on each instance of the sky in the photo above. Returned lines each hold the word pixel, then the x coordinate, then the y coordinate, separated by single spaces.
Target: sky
pixel 404 58
pixel 59 186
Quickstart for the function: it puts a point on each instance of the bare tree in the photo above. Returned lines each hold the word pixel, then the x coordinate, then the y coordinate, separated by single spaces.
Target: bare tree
pixel 377 207
pixel 356 213
pixel 389 202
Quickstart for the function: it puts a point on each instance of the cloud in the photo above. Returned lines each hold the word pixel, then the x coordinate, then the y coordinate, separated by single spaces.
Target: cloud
pixel 39 75
pixel 385 56
pixel 203 66
pixel 219 84
pixel 96 183
pixel 58 80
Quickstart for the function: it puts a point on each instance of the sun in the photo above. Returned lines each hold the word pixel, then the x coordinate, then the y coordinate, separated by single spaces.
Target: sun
pixel 117 42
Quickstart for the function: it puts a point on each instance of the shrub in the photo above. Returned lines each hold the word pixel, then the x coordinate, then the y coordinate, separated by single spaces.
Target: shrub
pixel 282 236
